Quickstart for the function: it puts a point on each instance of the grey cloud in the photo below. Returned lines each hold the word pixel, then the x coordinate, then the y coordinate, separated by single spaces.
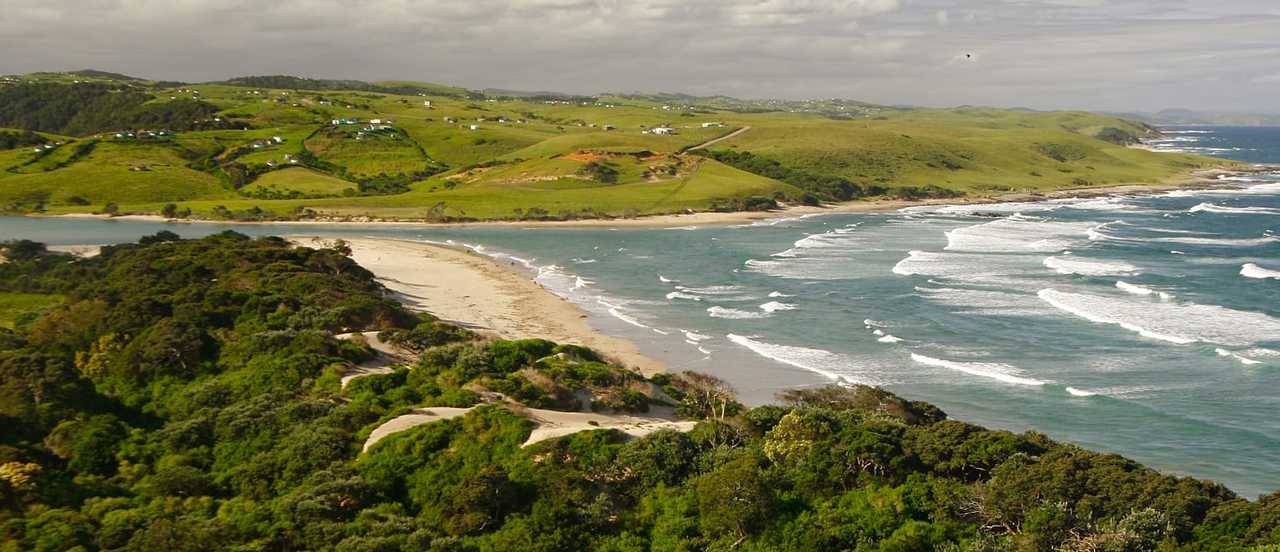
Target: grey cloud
pixel 1099 54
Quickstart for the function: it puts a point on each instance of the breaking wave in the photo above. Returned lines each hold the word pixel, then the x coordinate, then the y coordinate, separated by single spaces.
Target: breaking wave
pixel 995 371
pixel 826 363
pixel 1212 208
pixel 1086 267
pixel 1251 270
pixel 775 306
pixel 1180 323
pixel 735 314
pixel 1139 290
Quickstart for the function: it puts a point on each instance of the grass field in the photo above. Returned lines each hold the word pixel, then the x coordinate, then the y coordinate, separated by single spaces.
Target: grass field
pixel 305 181
pixel 13 306
pixel 525 154
pixel 119 173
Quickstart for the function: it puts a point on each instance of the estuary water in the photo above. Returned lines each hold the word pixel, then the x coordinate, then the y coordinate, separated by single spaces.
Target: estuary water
pixel 1144 325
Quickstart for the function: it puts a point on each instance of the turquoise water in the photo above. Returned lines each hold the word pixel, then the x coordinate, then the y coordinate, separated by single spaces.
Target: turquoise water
pixel 1148 326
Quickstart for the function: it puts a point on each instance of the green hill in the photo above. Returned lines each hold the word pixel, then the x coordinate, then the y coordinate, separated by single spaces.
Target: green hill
pixel 444 153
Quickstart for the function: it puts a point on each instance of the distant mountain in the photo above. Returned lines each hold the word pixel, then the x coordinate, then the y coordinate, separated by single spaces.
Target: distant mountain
pixel 1192 117
pixel 105 75
pixel 385 87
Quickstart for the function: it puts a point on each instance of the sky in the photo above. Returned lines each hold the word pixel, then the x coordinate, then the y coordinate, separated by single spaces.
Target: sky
pixel 1119 55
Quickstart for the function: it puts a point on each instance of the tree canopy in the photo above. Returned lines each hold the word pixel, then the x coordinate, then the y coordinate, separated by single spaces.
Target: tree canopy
pixel 185 395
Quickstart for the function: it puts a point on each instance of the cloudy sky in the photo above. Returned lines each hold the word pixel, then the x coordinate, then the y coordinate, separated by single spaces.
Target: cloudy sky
pixel 1093 54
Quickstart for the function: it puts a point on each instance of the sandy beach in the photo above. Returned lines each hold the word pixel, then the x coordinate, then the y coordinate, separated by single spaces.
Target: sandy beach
pixel 482 294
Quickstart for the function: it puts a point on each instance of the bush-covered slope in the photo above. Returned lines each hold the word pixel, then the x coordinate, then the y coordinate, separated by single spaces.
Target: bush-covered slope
pixel 184 395
pixel 85 108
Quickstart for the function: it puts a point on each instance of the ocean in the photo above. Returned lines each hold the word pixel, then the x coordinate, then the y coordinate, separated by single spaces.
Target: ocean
pixel 1145 325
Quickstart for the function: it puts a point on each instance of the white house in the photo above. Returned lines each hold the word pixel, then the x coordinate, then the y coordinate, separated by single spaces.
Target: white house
pixel 473 127
pixel 712 125
pixel 662 130
pixel 277 139
pixel 426 104
pixel 375 121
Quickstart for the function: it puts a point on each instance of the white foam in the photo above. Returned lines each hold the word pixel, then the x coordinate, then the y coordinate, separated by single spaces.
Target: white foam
pixel 1139 290
pixel 1080 392
pixel 822 362
pixel 694 336
pixel 1214 208
pixel 1085 267
pixel 995 371
pixel 1251 270
pixel 616 312
pixel 1228 242
pixel 985 302
pixel 712 290
pixel 1180 323
pixel 1017 234
pixel 1263 189
pixel 889 338
pixel 968 267
pixel 779 294
pixel 1243 360
pixel 683 295
pixel 664 279
pixel 681 228
pixel 775 306
pixel 734 314
pixel 793 267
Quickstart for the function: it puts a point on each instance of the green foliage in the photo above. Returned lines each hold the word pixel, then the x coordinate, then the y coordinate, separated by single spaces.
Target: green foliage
pixel 599 171
pixel 182 395
pixel 11 140
pixel 87 108
pixel 831 188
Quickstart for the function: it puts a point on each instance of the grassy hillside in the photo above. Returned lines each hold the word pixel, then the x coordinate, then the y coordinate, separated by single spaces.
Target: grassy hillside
pixel 443 153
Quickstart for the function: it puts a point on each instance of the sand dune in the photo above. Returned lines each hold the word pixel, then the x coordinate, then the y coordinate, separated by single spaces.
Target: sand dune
pixel 551 423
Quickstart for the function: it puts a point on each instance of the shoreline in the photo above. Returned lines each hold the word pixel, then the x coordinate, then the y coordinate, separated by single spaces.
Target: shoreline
pixel 482 294
pixel 1205 179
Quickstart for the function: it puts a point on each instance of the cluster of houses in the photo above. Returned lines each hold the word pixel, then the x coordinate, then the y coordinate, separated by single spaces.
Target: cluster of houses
pixel 289 159
pixel 376 126
pixel 46 147
pixel 662 130
pixel 267 142
pixel 142 134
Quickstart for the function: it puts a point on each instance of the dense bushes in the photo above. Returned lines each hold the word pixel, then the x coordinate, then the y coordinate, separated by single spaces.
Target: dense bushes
pixel 11 140
pixel 830 188
pixel 88 108
pixel 185 397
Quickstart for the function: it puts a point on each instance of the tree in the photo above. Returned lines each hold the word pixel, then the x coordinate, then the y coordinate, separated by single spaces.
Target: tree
pixel 706 396
pixel 169 210
pixel 22 250
pixel 734 499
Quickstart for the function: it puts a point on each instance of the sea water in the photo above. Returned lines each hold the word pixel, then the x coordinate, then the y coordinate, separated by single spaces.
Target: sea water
pixel 1146 325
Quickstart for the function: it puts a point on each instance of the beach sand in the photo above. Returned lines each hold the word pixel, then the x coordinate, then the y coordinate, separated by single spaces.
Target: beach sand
pixel 482 294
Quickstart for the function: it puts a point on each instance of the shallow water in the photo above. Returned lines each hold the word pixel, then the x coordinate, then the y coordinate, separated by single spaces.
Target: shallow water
pixel 1148 326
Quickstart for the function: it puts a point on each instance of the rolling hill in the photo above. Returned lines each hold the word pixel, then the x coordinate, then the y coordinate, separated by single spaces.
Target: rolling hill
pixel 287 147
